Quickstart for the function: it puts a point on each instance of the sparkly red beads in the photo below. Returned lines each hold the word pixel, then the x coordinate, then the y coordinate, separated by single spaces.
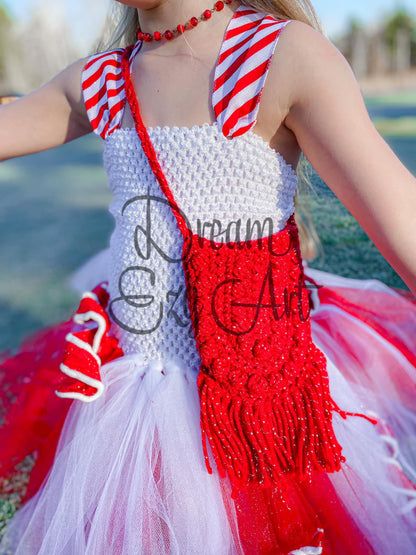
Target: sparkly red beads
pixel 169 34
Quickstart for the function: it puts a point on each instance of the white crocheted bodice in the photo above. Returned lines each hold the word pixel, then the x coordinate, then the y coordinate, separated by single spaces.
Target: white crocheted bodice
pixel 220 185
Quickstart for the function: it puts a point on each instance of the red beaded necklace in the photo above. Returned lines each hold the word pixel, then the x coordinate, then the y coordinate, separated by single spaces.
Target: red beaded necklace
pixel 180 29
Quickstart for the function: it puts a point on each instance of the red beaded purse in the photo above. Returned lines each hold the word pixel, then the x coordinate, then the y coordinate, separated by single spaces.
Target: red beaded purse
pixel 266 408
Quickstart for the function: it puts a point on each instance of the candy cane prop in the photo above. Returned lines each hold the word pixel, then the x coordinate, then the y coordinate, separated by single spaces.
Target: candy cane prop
pixel 86 350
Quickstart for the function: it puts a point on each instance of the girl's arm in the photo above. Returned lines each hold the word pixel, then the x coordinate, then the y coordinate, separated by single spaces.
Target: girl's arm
pixel 45 118
pixel 327 114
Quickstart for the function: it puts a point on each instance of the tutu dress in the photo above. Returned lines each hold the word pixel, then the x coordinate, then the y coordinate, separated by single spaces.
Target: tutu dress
pixel 114 401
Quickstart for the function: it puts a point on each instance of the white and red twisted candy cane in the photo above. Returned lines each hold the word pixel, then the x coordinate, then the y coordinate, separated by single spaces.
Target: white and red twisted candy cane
pixel 88 348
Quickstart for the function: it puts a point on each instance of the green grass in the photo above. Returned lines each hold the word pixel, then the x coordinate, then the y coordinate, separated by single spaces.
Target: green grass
pixel 53 216
pixel 8 508
pixel 396 127
pixel 395 99
pixel 12 492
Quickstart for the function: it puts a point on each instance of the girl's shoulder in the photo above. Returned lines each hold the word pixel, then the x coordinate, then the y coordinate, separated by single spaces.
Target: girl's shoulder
pixel 303 57
pixel 288 43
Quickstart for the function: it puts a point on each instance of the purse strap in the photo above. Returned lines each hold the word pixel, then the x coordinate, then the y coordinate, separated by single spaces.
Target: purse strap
pixel 147 144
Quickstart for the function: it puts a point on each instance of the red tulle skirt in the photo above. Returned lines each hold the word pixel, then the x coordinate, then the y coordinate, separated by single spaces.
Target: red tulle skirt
pixel 126 473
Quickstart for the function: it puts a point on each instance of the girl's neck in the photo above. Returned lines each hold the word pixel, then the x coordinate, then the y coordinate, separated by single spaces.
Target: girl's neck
pixel 170 13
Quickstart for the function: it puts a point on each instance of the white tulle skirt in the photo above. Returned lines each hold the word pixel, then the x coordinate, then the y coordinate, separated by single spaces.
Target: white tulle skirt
pixel 129 475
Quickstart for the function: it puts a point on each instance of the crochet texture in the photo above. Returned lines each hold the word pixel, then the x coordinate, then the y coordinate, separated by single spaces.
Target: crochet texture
pixel 212 178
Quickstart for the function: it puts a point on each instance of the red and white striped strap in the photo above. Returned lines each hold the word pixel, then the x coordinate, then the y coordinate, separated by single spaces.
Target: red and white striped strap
pixel 242 68
pixel 103 90
pixel 240 74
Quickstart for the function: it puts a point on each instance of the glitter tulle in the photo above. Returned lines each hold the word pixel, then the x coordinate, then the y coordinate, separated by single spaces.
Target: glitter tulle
pixel 129 474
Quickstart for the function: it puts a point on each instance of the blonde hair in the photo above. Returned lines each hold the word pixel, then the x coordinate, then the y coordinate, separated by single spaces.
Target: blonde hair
pixel 120 31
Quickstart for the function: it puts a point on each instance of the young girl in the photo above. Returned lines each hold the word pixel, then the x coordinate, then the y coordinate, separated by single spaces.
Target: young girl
pixel 305 400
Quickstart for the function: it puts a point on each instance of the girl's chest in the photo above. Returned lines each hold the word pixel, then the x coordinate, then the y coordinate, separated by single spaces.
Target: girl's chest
pixel 179 93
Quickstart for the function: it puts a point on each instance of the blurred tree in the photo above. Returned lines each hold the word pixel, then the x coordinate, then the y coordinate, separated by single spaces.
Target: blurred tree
pixel 5 23
pixel 357 52
pixel 398 22
pixel 354 24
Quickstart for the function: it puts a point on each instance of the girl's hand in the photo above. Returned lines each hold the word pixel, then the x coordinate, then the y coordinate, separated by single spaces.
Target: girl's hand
pixel 45 118
pixel 327 114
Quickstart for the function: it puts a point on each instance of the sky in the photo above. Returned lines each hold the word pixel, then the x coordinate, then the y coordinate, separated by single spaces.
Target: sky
pixel 336 14
pixel 87 15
